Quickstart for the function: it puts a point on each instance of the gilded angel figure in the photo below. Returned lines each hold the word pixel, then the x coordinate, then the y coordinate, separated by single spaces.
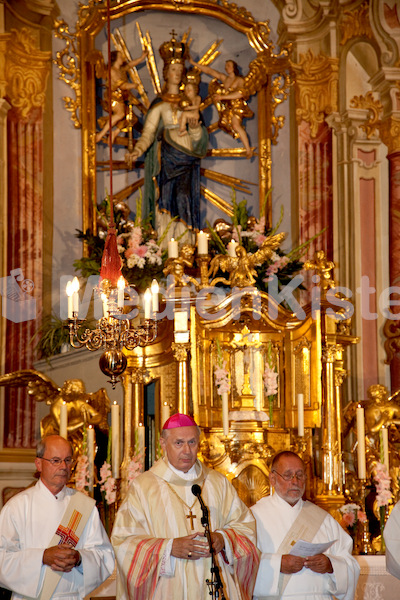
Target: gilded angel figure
pixel 229 94
pixel 241 268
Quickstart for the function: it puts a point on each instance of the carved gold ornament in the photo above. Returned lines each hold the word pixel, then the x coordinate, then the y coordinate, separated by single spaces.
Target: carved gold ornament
pixel 316 88
pixel 374 108
pixel 356 24
pixel 27 69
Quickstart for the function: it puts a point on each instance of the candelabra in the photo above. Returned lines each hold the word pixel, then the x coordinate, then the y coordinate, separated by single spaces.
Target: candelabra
pixel 114 331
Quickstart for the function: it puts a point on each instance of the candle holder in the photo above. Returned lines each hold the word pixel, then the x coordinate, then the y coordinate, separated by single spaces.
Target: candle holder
pixel 364 545
pixel 300 443
pixel 203 261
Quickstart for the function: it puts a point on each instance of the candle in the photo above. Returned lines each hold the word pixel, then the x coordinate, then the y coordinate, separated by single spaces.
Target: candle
pixel 141 441
pixel 115 459
pixel 147 304
pixel 105 305
pixel 64 420
pixel 232 248
pixel 154 294
pixel 180 320
pixel 225 414
pixel 361 443
pixel 300 415
pixel 164 412
pixel 75 283
pixel 172 248
pixel 121 290
pixel 385 447
pixel 90 455
pixel 70 291
pixel 202 243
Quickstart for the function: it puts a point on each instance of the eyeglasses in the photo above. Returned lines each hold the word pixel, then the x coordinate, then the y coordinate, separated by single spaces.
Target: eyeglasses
pixel 300 476
pixel 56 462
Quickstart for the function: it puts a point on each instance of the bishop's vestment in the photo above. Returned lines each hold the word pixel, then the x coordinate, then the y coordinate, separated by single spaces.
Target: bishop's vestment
pixel 157 510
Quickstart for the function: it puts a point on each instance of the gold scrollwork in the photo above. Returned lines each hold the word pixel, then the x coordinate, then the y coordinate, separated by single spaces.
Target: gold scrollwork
pixel 391 331
pixel 68 62
pixel 356 24
pixel 316 88
pixel 27 69
pixel 390 134
pixel 373 106
pixel 281 84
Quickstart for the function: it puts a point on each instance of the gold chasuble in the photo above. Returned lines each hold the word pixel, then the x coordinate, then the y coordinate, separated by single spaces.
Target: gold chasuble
pixel 155 511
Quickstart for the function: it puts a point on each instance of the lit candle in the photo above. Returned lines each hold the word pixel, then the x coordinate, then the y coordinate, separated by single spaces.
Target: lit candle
pixel 202 243
pixel 180 320
pixel 225 413
pixel 172 248
pixel 154 294
pixel 64 420
pixel 164 412
pixel 105 305
pixel 115 460
pixel 231 248
pixel 70 291
pixel 385 447
pixel 75 283
pixel 361 443
pixel 141 441
pixel 300 415
pixel 147 304
pixel 90 455
pixel 121 290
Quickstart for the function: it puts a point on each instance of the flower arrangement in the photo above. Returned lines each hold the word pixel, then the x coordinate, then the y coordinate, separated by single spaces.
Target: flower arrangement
pixel 142 259
pixel 82 474
pixel 382 483
pixel 221 374
pixel 108 486
pixel 351 515
pixel 270 377
pixel 251 232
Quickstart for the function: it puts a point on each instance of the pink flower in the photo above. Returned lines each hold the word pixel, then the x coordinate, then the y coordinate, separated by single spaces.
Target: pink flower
pixel 382 478
pixel 260 239
pixel 82 474
pixel 270 381
pixel 361 516
pixel 134 468
pixel 348 519
pixel 108 485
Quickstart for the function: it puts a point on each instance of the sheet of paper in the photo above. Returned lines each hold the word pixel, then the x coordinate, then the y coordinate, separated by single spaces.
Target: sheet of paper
pixel 302 548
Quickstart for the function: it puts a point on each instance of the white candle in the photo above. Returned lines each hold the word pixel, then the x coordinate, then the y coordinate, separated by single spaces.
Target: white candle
pixel 141 441
pixel 90 455
pixel 180 320
pixel 115 432
pixel 202 243
pixel 155 288
pixel 225 414
pixel 172 248
pixel 64 420
pixel 70 291
pixel 164 412
pixel 385 447
pixel 300 415
pixel 147 304
pixel 361 443
pixel 75 283
pixel 105 305
pixel 231 248
pixel 121 290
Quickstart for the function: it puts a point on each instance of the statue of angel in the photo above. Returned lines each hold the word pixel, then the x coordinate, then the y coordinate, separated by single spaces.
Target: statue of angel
pixel 241 268
pixel 83 408
pixel 121 90
pixel 230 97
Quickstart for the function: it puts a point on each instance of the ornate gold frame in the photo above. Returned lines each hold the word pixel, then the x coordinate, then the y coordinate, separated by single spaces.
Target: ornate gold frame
pixel 78 72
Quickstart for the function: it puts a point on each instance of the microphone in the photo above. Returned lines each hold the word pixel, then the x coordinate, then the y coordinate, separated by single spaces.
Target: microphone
pixel 196 491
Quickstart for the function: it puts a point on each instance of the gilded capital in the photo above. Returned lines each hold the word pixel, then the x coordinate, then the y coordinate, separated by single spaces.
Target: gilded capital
pixel 390 134
pixel 316 88
pixel 26 72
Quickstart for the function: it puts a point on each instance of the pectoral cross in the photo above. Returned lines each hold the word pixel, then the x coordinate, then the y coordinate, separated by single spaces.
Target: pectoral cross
pixel 191 516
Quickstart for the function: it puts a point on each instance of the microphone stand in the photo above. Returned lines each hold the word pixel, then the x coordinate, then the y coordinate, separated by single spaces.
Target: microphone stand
pixel 214 584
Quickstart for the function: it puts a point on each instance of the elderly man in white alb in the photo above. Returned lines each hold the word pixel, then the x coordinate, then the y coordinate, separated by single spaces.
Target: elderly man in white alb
pixel 392 540
pixel 158 537
pixel 52 542
pixel 283 518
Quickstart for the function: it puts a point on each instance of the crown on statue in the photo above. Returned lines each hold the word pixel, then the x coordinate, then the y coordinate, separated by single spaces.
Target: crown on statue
pixel 173 51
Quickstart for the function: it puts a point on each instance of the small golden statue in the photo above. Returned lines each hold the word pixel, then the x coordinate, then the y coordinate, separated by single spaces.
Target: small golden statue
pixel 83 408
pixel 241 267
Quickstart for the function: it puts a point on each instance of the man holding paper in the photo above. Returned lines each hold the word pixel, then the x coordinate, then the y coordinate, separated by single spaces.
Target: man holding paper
pixel 323 567
pixel 52 543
